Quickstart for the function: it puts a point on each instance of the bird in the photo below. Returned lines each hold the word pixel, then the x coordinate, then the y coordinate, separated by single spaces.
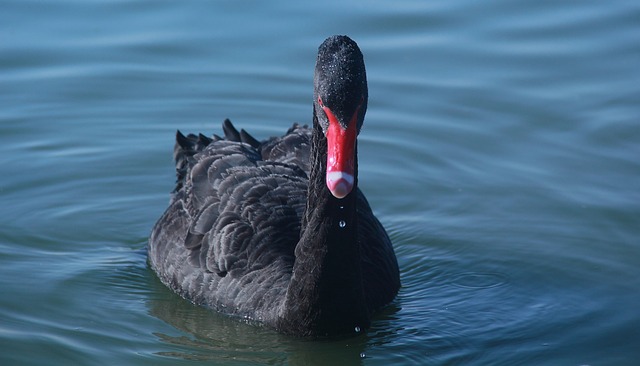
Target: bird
pixel 277 231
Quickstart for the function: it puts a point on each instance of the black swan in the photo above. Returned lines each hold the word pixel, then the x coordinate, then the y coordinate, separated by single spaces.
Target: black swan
pixel 277 231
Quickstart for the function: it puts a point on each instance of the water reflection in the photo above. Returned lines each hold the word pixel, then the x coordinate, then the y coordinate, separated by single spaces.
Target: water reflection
pixel 227 340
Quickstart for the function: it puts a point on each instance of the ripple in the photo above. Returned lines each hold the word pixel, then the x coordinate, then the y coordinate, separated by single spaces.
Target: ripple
pixel 480 280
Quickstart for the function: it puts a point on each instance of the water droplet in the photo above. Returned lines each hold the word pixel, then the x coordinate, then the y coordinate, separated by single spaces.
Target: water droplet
pixel 342 223
pixel 362 355
pixel 342 207
pixel 357 329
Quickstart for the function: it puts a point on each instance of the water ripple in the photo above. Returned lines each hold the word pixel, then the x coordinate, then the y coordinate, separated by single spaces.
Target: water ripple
pixel 478 280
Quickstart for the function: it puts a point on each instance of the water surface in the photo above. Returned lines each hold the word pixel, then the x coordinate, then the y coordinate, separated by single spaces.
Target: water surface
pixel 500 151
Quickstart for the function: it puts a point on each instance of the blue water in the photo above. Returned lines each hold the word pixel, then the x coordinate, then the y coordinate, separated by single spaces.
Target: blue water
pixel 501 151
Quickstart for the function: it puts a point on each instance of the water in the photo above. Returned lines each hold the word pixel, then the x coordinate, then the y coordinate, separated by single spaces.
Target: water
pixel 501 151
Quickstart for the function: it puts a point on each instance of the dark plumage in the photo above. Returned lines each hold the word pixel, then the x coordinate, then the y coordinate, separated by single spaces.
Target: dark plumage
pixel 253 230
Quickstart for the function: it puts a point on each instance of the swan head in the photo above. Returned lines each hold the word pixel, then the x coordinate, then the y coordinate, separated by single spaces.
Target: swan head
pixel 340 103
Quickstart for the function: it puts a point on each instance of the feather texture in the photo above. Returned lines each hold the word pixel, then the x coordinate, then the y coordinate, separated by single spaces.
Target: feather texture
pixel 253 231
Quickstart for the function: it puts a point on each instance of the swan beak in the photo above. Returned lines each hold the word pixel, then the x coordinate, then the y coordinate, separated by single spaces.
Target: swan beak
pixel 341 144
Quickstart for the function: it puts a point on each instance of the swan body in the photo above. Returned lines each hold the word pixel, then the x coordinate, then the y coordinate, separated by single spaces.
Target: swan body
pixel 277 230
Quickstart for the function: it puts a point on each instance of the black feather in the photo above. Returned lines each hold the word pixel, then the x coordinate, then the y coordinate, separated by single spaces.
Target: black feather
pixel 253 231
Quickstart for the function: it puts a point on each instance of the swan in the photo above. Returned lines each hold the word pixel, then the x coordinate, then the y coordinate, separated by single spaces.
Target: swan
pixel 277 231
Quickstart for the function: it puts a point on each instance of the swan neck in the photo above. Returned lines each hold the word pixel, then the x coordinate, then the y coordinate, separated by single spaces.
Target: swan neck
pixel 325 295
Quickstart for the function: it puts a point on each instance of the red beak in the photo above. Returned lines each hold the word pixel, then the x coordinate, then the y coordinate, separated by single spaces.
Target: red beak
pixel 340 154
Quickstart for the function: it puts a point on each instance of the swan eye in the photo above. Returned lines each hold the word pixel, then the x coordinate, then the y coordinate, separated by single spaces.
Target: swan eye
pixel 320 102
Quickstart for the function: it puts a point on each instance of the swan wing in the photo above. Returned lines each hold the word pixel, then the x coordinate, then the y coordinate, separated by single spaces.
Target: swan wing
pixel 242 212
